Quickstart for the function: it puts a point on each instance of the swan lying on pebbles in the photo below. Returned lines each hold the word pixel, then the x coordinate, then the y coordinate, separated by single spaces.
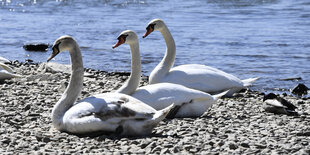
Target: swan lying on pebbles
pixel 107 112
pixel 278 105
pixel 4 60
pixel 195 76
pixel 189 102
pixel 6 72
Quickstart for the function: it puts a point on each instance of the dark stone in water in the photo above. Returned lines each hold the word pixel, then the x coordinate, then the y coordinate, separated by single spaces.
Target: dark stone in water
pixel 291 79
pixel 36 47
pixel 300 89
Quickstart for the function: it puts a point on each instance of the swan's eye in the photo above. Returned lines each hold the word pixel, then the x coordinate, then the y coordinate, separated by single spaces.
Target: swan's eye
pixel 56 47
pixel 123 36
pixel 151 27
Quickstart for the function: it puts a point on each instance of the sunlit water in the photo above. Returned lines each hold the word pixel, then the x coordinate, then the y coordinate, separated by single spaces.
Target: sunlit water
pixel 247 38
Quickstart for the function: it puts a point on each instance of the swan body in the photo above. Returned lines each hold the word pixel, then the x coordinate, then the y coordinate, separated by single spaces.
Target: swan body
pixel 110 112
pixel 200 77
pixel 4 60
pixel 7 72
pixel 189 102
pixel 278 105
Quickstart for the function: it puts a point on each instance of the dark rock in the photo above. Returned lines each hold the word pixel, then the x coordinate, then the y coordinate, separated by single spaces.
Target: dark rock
pixel 233 146
pixel 300 89
pixel 119 74
pixel 300 102
pixel 46 139
pixel 36 47
pixel 291 79
pixel 6 141
pixel 28 60
pixel 303 133
pixel 260 146
pixel 27 107
pixel 246 145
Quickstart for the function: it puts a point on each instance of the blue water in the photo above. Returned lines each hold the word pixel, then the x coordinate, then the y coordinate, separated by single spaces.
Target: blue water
pixel 247 38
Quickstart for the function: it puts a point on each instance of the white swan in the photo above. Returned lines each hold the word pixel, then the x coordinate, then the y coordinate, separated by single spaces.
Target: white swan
pixel 189 102
pixel 194 76
pixel 111 112
pixel 4 60
pixel 6 72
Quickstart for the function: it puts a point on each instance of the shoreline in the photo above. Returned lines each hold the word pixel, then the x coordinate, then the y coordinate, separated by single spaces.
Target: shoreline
pixel 232 125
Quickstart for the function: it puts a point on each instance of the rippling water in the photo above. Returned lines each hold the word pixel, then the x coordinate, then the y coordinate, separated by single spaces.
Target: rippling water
pixel 248 38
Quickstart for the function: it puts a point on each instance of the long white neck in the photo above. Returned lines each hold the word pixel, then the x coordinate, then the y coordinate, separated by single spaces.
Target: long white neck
pixel 167 62
pixel 132 83
pixel 72 92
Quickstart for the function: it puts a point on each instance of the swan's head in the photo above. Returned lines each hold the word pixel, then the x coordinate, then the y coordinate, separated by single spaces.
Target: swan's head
pixel 128 37
pixel 63 43
pixel 154 25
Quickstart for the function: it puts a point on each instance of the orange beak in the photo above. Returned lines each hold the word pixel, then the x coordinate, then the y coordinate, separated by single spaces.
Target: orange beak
pixel 149 30
pixel 119 42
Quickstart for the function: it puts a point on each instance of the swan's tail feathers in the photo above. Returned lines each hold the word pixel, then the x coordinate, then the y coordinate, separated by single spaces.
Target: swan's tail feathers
pixel 218 96
pixel 9 76
pixel 4 60
pixel 161 114
pixel 6 67
pixel 249 82
pixel 9 71
pixel 17 76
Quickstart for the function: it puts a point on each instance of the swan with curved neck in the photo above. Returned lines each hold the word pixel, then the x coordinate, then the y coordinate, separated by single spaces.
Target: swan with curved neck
pixel 189 102
pixel 200 77
pixel 111 112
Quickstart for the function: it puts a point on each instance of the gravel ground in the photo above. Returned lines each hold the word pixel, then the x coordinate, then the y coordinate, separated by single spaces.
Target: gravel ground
pixel 237 125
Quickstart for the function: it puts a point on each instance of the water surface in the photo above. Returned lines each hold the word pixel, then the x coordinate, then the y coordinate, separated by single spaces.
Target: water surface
pixel 247 38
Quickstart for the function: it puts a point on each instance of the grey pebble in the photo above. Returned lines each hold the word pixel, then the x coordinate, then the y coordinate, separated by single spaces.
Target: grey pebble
pixel 235 125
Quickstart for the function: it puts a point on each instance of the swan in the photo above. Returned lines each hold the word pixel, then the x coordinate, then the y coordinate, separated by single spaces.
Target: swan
pixel 4 60
pixel 200 77
pixel 278 105
pixel 6 72
pixel 188 102
pixel 108 112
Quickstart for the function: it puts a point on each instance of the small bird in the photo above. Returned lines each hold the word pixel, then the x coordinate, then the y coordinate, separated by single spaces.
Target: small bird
pixel 278 105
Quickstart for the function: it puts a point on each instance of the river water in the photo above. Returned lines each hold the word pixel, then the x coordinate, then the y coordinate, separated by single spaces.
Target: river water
pixel 247 38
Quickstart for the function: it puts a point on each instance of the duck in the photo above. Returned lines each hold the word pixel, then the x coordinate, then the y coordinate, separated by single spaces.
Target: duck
pixel 278 105
pixel 188 102
pixel 195 76
pixel 6 72
pixel 115 113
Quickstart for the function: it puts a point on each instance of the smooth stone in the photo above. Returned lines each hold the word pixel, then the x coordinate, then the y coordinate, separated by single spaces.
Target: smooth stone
pixel 39 47
pixel 291 79
pixel 233 146
pixel 300 89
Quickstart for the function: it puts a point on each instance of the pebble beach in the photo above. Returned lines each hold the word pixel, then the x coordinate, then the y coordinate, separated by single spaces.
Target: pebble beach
pixel 237 125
